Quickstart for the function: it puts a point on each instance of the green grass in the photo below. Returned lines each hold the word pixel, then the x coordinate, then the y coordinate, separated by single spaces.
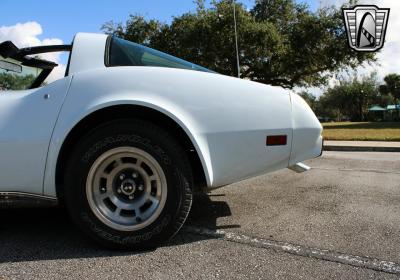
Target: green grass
pixel 362 131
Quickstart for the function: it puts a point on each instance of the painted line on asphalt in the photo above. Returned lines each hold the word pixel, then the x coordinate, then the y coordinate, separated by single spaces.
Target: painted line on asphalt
pixel 356 170
pixel 321 254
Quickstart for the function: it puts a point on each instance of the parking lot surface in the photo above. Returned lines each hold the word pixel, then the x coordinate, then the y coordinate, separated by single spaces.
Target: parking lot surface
pixel 340 220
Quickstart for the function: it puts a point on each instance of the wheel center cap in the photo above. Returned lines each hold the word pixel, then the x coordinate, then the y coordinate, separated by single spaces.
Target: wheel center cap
pixel 128 187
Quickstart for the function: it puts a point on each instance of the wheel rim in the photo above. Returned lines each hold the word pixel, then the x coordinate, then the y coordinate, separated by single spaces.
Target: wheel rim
pixel 126 188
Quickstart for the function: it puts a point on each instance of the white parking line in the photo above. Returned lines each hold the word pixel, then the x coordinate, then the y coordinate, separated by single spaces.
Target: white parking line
pixel 357 170
pixel 322 254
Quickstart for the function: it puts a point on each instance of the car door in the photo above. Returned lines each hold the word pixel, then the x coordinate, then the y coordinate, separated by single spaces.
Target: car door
pixel 27 119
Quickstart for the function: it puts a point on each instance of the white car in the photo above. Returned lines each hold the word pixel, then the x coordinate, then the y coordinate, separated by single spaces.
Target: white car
pixel 127 136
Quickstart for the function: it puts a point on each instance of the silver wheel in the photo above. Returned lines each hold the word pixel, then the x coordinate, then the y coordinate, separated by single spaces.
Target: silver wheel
pixel 126 188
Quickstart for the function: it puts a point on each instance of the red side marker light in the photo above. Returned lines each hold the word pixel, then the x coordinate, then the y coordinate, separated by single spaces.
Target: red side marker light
pixel 276 140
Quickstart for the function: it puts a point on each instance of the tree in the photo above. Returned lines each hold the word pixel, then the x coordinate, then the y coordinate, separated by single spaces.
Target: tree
pixel 137 29
pixel 392 88
pixel 281 42
pixel 351 97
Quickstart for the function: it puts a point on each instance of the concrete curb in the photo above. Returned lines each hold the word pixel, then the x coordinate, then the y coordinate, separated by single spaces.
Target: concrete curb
pixel 360 148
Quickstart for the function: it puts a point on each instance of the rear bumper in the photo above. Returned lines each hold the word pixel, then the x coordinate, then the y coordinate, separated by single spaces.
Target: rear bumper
pixel 301 167
pixel 322 147
pixel 306 148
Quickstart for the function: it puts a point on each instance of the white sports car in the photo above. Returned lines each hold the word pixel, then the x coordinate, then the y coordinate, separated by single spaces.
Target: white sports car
pixel 129 133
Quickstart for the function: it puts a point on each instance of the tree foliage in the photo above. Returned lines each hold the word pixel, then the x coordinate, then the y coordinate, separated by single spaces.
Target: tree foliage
pixel 351 98
pixel 392 88
pixel 281 42
pixel 10 81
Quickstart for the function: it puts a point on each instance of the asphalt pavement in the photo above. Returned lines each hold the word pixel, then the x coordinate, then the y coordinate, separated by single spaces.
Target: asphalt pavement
pixel 340 220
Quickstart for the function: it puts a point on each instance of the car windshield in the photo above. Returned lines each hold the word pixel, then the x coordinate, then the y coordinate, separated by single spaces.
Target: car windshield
pixel 126 53
pixel 15 76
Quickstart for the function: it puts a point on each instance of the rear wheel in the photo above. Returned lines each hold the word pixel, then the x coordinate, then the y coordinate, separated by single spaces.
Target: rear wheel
pixel 128 185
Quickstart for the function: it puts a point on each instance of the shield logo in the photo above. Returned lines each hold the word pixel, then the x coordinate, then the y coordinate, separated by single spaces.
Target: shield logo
pixel 366 27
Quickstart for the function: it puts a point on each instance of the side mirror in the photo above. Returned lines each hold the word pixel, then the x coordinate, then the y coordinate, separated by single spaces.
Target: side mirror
pixel 9 66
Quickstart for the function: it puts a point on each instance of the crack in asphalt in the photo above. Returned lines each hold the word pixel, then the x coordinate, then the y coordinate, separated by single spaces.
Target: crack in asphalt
pixel 321 254
pixel 356 170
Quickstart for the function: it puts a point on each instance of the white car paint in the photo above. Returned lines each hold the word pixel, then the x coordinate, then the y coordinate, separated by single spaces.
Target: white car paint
pixel 226 118
pixel 27 121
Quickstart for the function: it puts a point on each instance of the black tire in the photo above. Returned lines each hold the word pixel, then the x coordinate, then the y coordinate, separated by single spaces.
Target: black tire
pixel 164 149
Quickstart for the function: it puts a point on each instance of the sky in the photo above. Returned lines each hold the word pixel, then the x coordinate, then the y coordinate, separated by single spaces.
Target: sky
pixel 31 23
pixel 62 19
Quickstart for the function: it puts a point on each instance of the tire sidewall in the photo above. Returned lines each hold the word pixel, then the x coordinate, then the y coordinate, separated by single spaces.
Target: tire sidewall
pixel 129 134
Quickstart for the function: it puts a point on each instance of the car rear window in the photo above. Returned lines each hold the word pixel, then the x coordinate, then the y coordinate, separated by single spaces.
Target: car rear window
pixel 126 53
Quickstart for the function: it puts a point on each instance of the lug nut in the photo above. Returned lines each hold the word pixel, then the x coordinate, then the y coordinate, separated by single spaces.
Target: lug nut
pixel 134 175
pixel 131 197
pixel 119 191
pixel 140 188
pixel 122 177
pixel 103 189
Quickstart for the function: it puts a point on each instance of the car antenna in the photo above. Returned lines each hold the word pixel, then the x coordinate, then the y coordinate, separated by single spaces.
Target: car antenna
pixel 236 38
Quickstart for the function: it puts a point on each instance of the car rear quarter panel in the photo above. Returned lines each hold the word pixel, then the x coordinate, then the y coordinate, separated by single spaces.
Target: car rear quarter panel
pixel 307 132
pixel 226 118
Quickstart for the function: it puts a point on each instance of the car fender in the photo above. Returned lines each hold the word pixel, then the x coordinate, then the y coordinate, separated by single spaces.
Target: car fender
pixel 63 129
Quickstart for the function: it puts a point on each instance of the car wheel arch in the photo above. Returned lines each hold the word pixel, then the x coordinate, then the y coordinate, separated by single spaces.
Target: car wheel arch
pixel 130 111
